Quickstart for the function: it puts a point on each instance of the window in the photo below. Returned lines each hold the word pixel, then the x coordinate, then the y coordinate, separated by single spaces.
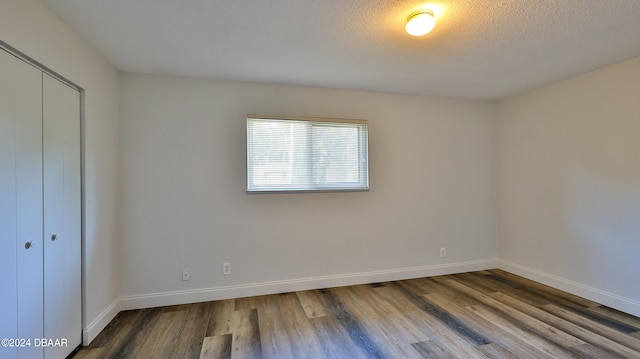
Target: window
pixel 306 154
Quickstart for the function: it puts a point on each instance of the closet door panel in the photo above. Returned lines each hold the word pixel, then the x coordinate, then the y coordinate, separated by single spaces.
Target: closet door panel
pixel 29 214
pixel 22 248
pixel 62 227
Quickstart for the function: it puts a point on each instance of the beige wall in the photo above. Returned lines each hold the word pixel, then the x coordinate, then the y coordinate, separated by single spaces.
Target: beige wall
pixel 569 184
pixel 184 201
pixel 31 28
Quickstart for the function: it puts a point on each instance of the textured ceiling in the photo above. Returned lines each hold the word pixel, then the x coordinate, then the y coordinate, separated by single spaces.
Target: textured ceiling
pixel 483 49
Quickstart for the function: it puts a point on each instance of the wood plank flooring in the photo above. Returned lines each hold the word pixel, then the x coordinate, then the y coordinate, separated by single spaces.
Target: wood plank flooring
pixel 487 314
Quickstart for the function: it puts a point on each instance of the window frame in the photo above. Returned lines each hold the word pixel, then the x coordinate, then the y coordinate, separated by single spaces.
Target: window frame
pixel 363 154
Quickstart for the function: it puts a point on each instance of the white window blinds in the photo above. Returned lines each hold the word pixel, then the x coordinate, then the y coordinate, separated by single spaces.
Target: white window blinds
pixel 306 154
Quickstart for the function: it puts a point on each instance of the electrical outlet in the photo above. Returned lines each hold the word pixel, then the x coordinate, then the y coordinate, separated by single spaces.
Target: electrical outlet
pixel 226 269
pixel 443 252
pixel 186 274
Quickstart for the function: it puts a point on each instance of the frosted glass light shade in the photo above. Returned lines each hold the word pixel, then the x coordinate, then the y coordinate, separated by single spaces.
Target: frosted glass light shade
pixel 420 23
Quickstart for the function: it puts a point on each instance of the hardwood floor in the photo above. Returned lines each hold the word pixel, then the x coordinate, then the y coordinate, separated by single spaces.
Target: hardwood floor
pixel 483 314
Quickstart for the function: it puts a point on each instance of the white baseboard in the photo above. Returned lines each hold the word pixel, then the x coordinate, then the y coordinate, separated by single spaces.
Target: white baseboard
pixel 283 286
pixel 612 300
pixel 100 322
pixel 247 290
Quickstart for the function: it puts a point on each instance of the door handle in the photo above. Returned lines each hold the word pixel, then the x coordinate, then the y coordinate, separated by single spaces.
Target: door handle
pixel 28 244
pixel 54 237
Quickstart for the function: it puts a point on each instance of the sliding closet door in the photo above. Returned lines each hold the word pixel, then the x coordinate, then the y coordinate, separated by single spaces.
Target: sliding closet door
pixel 62 248
pixel 21 208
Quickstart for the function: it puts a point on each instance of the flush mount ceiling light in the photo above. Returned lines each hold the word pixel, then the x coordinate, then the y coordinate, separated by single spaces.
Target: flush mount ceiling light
pixel 420 23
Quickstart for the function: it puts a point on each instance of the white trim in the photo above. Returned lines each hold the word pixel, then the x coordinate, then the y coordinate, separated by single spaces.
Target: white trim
pixel 612 300
pixel 101 321
pixel 247 290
